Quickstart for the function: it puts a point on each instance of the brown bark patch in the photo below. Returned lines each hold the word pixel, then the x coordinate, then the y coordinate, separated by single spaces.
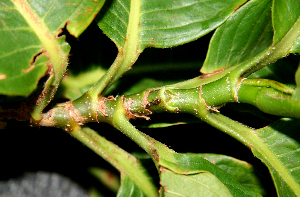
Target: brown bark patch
pixel 128 110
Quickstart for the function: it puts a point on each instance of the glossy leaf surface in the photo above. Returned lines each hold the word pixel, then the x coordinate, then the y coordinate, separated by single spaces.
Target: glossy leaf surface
pixel 244 35
pixel 164 23
pixel 31 45
pixel 240 170
pixel 283 139
pixel 285 15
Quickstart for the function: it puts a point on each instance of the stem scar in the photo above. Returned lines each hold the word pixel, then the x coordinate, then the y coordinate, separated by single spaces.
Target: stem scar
pixel 210 108
pixel 155 102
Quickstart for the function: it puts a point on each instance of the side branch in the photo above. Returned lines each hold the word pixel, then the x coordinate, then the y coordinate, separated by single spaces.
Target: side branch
pixel 269 96
pixel 126 163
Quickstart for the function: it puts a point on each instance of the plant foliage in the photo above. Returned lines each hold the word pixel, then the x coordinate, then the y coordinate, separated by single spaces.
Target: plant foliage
pixel 253 48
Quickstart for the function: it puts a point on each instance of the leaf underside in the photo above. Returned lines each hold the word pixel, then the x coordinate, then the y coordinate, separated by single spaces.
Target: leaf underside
pixel 193 166
pixel 282 137
pixel 30 40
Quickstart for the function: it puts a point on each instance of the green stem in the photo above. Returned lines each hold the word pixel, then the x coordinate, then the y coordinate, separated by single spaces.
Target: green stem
pixel 200 102
pixel 273 53
pixel 201 80
pixel 126 163
pixel 127 55
pixel 154 148
pixel 270 100
pixel 57 50
pixel 269 83
pixel 242 133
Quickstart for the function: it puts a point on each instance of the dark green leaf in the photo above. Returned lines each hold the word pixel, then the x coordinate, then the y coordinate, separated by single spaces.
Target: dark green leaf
pixel 283 139
pixel 285 14
pixel 276 72
pixel 164 23
pixel 244 35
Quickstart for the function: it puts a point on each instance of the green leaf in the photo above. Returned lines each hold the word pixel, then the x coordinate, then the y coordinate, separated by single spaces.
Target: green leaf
pixel 244 35
pixel 129 188
pixel 201 184
pixel 163 23
pixel 137 24
pixel 146 83
pixel 276 72
pixel 240 170
pixel 73 86
pixel 24 61
pixel 297 89
pixel 133 174
pixel 110 180
pixel 286 23
pixel 284 16
pixel 282 138
pixel 187 165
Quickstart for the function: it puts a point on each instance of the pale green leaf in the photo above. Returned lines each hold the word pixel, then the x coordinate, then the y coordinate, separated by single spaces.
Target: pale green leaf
pixel 297 89
pixel 244 35
pixel 201 184
pixel 73 86
pixel 240 170
pixel 107 178
pixel 188 165
pixel 146 83
pixel 30 41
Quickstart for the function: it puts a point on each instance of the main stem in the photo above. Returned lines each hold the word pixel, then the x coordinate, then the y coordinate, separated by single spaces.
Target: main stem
pixel 201 102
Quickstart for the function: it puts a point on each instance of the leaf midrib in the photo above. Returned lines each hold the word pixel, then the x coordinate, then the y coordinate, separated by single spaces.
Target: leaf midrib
pixel 51 45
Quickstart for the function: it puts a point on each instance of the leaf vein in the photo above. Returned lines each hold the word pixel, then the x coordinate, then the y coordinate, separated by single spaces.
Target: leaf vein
pixel 120 19
pixel 262 14
pixel 174 27
pixel 176 8
pixel 16 29
pixel 128 12
pixel 116 30
pixel 294 169
pixel 19 50
pixel 50 7
pixel 288 152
